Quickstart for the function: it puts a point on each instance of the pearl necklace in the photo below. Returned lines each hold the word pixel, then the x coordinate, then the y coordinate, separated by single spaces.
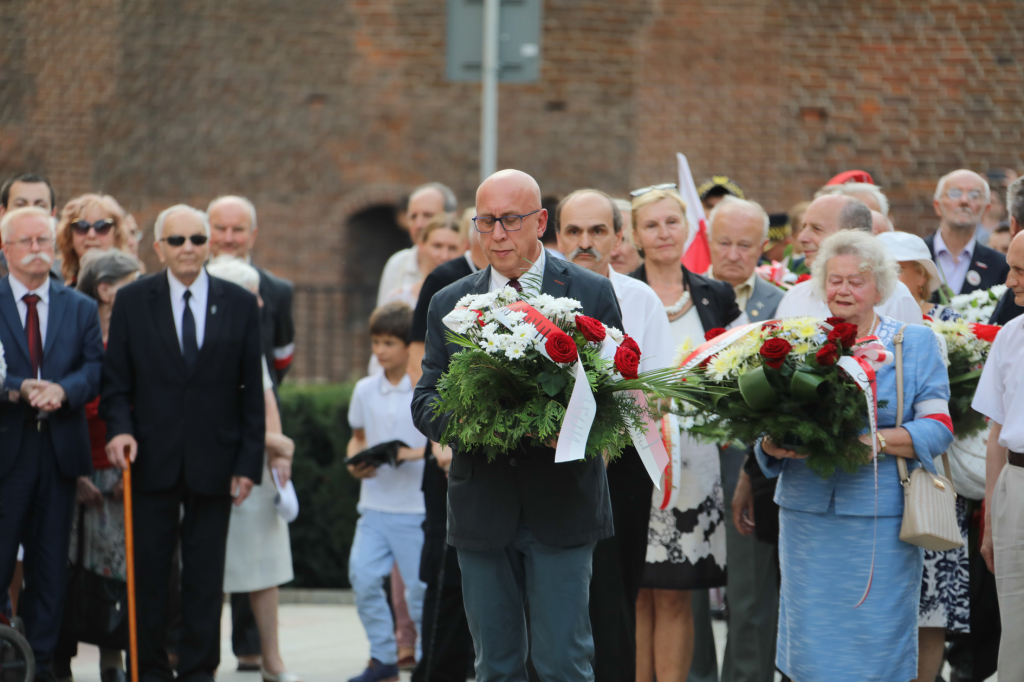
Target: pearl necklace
pixel 676 307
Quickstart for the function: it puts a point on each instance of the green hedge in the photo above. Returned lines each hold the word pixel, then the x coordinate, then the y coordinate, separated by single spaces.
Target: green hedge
pixel 315 416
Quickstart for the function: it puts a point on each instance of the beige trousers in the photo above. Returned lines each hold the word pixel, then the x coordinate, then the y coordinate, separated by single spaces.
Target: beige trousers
pixel 1008 543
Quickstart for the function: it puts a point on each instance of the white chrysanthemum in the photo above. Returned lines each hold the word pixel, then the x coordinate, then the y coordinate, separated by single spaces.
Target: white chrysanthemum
pixel 506 295
pixel 523 333
pixel 682 352
pixel 615 334
pixel 461 321
pixel 490 345
pixel 466 300
pixel 515 316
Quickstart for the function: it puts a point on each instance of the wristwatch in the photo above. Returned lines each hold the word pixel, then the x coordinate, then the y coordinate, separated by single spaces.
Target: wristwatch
pixel 881 441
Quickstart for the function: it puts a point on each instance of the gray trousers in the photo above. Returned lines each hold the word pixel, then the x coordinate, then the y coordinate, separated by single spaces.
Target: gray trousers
pixel 555 583
pixel 753 593
pixel 1008 543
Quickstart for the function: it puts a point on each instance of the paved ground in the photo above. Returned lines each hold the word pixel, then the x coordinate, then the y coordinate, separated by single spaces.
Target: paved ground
pixel 320 642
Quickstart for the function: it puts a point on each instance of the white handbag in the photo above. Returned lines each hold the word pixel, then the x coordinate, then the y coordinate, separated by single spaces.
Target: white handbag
pixel 929 511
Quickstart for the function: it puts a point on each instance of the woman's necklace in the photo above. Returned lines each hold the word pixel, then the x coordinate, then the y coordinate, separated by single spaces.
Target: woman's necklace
pixel 676 308
pixel 874 322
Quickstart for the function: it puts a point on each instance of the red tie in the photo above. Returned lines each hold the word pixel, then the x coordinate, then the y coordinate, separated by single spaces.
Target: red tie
pixel 35 339
pixel 514 283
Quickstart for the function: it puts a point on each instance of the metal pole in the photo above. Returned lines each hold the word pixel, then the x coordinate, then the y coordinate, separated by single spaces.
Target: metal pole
pixel 489 91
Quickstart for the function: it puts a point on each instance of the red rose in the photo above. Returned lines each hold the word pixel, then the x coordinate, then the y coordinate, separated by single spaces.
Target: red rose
pixel 827 355
pixel 845 333
pixel 591 329
pixel 561 348
pixel 833 321
pixel 626 362
pixel 628 342
pixel 712 333
pixel 774 351
pixel 985 332
pixel 803 278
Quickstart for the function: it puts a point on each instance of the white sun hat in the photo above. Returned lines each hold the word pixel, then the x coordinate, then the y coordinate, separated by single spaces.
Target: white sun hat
pixel 903 246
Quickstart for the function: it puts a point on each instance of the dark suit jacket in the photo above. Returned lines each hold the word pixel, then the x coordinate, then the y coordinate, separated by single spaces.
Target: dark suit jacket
pixel 563 504
pixel 72 357
pixel 277 328
pixel 206 424
pixel 988 263
pixel 715 301
pixel 1006 309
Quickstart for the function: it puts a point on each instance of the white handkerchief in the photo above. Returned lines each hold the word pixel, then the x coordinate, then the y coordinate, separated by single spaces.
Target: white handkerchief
pixel 286 501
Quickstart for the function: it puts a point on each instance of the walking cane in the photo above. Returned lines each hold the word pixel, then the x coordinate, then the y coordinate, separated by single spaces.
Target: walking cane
pixel 129 550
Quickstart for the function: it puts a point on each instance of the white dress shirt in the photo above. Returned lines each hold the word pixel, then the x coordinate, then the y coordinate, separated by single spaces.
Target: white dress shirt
pixel 953 273
pixel 19 291
pixel 804 300
pixel 644 319
pixel 402 269
pixel 1000 393
pixel 200 289
pixel 384 412
pixel 531 280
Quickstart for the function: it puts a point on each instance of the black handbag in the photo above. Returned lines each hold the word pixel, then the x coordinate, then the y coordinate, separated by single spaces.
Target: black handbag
pixel 96 607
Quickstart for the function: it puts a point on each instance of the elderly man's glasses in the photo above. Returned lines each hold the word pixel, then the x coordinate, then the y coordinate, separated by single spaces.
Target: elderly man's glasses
pixel 179 240
pixel 101 226
pixel 955 193
pixel 509 223
pixel 27 242
pixel 644 190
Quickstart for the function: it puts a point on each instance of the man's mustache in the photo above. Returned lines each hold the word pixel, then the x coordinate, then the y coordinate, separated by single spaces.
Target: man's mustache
pixel 588 251
pixel 45 257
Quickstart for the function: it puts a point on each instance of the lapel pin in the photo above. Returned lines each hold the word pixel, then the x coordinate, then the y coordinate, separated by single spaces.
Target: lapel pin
pixel 213 310
pixel 973 277
pixel 754 313
pixel 704 301
pixel 981 265
pixel 760 305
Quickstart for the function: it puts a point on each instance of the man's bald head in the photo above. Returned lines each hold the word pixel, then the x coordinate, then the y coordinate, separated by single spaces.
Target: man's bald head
pixel 511 193
pixel 232 226
pixel 880 223
pixel 1015 259
pixel 829 214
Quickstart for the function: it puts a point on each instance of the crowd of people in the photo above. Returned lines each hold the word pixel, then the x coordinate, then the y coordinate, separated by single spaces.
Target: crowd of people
pixel 179 369
pixel 518 567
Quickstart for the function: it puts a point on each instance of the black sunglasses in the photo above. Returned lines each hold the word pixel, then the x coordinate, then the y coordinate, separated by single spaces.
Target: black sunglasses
pixel 101 226
pixel 178 240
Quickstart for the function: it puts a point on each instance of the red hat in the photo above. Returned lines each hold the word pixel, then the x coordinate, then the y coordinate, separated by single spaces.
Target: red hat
pixel 851 176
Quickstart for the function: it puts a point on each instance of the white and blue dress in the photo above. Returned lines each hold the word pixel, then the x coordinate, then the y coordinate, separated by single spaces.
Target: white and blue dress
pixel 827 529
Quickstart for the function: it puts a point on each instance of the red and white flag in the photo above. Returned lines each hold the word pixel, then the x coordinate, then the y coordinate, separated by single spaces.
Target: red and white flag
pixel 696 253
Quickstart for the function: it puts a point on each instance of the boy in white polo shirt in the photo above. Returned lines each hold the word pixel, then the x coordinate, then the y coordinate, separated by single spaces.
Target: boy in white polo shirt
pixel 390 527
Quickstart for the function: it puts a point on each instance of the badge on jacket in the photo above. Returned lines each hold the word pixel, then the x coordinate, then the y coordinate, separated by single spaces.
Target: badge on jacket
pixel 973 277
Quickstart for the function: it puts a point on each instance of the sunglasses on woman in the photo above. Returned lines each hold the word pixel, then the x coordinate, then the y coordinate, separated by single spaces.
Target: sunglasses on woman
pixel 179 240
pixel 100 226
pixel 644 190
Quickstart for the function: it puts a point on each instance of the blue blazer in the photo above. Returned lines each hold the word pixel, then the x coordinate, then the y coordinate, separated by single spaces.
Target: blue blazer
pixel 925 391
pixel 72 357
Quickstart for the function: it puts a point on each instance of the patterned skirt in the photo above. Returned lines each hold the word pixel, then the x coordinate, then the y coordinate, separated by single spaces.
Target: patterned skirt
pixel 945 588
pixel 686 535
pixel 103 550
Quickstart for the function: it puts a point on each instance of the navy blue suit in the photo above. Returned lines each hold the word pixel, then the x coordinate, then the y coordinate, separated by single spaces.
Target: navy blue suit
pixel 40 460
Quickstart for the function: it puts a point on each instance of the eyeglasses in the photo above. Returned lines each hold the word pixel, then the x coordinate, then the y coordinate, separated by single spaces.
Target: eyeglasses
pixel 955 193
pixel 27 242
pixel 101 226
pixel 510 223
pixel 644 190
pixel 179 240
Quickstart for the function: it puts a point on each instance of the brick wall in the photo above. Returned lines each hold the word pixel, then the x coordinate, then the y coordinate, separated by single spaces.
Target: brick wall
pixel 321 109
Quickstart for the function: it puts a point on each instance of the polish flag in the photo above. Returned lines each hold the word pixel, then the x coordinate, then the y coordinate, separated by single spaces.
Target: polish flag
pixel 696 252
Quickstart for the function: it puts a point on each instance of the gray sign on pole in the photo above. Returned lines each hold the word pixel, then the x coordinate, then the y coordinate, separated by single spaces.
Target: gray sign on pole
pixel 519 49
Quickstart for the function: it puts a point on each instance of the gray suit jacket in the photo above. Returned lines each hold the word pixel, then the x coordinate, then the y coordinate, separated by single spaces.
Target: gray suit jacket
pixel 562 504
pixel 763 301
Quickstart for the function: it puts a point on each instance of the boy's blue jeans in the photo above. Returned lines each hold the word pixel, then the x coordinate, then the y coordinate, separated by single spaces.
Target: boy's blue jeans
pixel 383 539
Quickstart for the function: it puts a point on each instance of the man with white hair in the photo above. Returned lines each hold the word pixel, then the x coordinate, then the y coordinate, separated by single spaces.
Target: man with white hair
pixel 961 198
pixel 183 400
pixel 51 338
pixel 737 235
pixel 870 194
pixel 233 229
pixel 825 216
pixel 403 268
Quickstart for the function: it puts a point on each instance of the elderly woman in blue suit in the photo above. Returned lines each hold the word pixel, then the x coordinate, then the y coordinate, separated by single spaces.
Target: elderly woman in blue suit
pixel 827 526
